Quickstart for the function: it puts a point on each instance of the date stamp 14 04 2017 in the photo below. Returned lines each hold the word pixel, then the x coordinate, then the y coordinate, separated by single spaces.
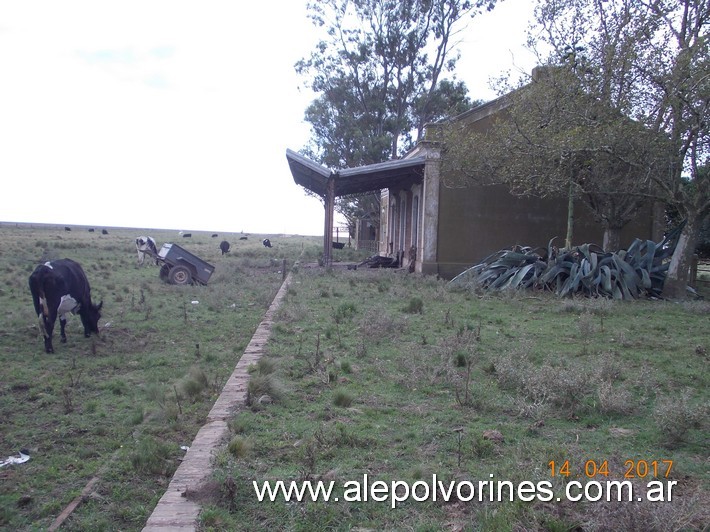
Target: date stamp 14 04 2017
pixel 632 469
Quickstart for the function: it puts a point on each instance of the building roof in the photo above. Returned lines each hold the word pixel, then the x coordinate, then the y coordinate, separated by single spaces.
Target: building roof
pixel 390 174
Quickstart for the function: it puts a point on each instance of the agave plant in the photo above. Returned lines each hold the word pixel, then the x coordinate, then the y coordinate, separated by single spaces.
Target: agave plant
pixel 635 272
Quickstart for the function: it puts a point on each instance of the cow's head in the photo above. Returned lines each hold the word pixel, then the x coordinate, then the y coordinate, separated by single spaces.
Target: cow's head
pixel 93 316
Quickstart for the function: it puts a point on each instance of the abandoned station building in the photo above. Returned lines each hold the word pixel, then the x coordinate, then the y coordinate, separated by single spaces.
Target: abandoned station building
pixel 444 230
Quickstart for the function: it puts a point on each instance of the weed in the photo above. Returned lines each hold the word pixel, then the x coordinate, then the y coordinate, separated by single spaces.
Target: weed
pixel 345 312
pixel 614 400
pixel 342 398
pixel 150 456
pixel 194 383
pixel 240 447
pixel 414 306
pixel 263 385
pixel 675 417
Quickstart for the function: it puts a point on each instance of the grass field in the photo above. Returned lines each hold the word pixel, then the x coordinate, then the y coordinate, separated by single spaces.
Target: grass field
pixel 119 407
pixel 369 372
pixel 389 375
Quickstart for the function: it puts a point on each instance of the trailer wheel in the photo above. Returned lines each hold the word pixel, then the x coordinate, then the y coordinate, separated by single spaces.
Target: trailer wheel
pixel 180 275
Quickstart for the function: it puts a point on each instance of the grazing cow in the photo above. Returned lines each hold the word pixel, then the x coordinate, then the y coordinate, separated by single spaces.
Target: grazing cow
pixel 187 235
pixel 104 232
pixel 242 238
pixel 224 246
pixel 67 228
pixel 58 288
pixel 146 244
pixel 266 242
pixel 91 230
pixel 215 235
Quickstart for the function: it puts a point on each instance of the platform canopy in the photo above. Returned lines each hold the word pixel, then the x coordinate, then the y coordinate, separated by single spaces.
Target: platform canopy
pixel 330 184
pixel 390 174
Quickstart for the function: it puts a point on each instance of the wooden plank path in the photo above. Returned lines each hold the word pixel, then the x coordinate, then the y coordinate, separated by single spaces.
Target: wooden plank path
pixel 174 510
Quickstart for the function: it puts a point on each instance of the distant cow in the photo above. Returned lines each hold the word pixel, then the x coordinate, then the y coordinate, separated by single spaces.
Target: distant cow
pixel 146 244
pixel 91 230
pixel 215 235
pixel 187 235
pixel 242 238
pixel 266 242
pixel 224 246
pixel 67 228
pixel 58 288
pixel 104 232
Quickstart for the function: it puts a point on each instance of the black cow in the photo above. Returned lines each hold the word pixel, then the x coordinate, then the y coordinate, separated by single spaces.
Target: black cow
pixel 58 288
pixel 266 242
pixel 215 235
pixel 187 235
pixel 224 246
pixel 146 244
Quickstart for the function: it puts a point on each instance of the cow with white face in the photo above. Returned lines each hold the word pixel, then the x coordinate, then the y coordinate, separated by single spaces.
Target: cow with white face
pixel 146 244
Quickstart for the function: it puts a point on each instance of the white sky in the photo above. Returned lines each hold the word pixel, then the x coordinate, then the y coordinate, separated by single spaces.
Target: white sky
pixel 175 114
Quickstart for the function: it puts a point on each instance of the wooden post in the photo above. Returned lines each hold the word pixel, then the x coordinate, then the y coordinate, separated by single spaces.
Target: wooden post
pixel 329 209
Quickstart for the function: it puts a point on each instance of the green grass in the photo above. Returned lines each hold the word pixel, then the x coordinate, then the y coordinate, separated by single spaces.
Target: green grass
pixel 373 372
pixel 119 406
pixel 426 382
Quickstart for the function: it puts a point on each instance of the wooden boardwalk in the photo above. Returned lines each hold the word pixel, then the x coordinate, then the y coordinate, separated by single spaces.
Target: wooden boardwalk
pixel 174 510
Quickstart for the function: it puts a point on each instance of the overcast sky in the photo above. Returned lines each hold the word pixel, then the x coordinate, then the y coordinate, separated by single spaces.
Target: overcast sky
pixel 175 114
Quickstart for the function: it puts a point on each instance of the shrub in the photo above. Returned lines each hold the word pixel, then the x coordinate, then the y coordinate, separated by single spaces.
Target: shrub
pixel 675 417
pixel 240 447
pixel 414 306
pixel 345 311
pixel 342 398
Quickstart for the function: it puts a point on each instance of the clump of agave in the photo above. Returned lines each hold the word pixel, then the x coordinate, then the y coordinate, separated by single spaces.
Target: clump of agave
pixel 588 270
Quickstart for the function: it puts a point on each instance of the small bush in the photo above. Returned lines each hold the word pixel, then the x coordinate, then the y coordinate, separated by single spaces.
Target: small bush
pixel 614 400
pixel 674 418
pixel 342 398
pixel 150 456
pixel 195 383
pixel 344 312
pixel 414 306
pixel 260 385
pixel 240 447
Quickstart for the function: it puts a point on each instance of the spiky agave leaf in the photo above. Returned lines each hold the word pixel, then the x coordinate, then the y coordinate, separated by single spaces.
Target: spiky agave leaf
pixel 637 271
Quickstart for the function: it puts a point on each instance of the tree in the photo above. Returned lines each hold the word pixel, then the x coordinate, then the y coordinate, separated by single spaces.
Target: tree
pixel 379 74
pixel 555 139
pixel 647 60
pixel 650 59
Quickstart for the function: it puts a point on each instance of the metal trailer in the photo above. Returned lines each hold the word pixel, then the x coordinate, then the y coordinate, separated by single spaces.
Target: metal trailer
pixel 179 266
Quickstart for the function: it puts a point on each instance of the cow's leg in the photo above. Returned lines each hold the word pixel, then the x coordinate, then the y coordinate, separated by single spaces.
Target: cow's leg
pixel 47 326
pixel 62 325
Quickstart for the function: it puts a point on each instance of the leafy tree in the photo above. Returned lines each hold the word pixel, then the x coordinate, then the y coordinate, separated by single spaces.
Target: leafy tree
pixel 647 63
pixel 650 60
pixel 379 74
pixel 555 138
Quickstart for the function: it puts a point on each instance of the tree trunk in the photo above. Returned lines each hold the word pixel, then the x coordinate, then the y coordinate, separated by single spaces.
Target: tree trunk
pixel 570 216
pixel 612 239
pixel 676 283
